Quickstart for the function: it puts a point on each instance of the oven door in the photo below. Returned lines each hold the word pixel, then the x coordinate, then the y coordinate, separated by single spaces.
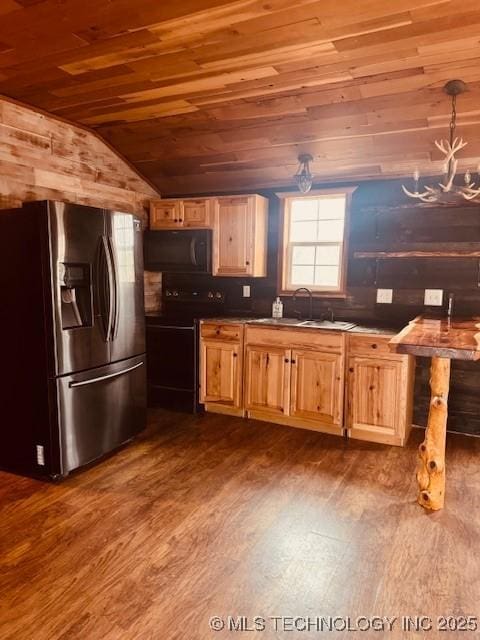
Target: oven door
pixel 172 367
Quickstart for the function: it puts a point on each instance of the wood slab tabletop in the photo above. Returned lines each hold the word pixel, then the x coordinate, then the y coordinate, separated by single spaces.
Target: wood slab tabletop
pixel 456 338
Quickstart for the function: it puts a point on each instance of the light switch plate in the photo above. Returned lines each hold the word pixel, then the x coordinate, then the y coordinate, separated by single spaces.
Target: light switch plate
pixel 246 291
pixel 384 296
pixel 433 297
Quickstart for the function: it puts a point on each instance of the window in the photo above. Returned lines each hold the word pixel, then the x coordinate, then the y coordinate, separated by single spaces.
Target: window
pixel 314 248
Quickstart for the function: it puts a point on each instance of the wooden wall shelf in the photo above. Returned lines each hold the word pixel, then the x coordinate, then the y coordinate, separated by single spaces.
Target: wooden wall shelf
pixel 421 250
pixel 381 255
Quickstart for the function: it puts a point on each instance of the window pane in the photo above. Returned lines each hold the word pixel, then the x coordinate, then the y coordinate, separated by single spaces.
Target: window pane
pixel 333 207
pixel 304 209
pixel 303 255
pixel 303 231
pixel 327 254
pixel 327 276
pixel 330 231
pixel 302 276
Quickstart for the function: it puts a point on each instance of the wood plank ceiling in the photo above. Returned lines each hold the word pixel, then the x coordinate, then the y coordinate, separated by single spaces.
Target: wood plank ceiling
pixel 220 95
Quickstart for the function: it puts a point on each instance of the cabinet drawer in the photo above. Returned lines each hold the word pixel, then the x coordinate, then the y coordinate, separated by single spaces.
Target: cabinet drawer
pixel 370 345
pixel 218 331
pixel 296 338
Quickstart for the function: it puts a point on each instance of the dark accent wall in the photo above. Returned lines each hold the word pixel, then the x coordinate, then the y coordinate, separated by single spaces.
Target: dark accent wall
pixel 382 218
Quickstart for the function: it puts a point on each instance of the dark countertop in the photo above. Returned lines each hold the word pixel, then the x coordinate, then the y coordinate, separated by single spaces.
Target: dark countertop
pixel 296 324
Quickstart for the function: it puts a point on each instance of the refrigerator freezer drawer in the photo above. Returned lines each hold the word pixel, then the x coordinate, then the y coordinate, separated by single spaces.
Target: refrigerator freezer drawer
pixel 99 410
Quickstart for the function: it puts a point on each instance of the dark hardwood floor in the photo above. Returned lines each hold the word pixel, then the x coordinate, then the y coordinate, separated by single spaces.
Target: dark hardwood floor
pixel 220 516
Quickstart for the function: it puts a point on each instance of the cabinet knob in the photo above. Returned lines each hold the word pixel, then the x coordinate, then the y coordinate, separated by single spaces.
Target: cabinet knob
pixel 235 355
pixel 374 346
pixel 293 361
pixel 351 369
pixel 180 219
pixel 247 262
pixel 287 360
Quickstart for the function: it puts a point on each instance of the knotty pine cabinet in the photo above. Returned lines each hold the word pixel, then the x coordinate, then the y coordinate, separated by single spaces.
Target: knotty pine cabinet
pixel 379 391
pixel 267 379
pixel 320 380
pixel 240 236
pixel 295 377
pixel 188 213
pixel 221 368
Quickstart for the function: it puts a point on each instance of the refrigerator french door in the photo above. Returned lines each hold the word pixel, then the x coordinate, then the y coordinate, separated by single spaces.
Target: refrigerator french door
pixel 80 352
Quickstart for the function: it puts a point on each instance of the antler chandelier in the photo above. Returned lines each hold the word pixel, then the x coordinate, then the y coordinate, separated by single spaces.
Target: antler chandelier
pixel 447 192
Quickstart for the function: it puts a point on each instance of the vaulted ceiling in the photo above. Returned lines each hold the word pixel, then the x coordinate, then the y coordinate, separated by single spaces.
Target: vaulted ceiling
pixel 221 95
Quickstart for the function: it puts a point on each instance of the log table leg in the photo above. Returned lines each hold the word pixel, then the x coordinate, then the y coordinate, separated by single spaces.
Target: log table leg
pixel 431 465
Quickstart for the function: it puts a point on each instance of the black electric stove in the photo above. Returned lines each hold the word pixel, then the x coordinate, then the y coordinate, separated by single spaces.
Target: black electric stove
pixel 172 346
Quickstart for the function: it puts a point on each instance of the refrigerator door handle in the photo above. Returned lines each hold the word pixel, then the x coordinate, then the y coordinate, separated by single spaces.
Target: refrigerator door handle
pixel 100 378
pixel 111 293
pixel 116 291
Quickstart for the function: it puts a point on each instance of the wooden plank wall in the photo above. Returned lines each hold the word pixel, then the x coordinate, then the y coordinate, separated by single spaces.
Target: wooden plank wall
pixel 375 226
pixel 42 157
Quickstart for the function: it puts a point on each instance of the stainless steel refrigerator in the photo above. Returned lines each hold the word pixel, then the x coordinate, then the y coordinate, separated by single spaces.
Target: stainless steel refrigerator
pixel 73 327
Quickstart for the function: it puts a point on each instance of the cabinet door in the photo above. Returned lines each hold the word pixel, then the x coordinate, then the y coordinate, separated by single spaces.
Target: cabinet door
pixel 165 215
pixel 267 379
pixel 219 374
pixel 374 393
pixel 317 387
pixel 233 237
pixel 196 213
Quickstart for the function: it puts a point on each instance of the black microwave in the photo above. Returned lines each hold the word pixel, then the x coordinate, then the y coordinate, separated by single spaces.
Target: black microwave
pixel 185 251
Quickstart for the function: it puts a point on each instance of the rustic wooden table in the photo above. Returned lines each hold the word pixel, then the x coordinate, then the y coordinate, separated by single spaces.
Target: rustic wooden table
pixel 442 340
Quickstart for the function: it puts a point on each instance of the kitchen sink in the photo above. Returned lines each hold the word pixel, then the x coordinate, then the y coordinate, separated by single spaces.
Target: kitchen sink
pixel 327 324
pixel 314 324
pixel 284 321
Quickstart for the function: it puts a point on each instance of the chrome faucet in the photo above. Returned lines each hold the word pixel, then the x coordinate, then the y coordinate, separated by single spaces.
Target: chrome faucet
pixel 294 299
pixel 451 299
pixel 331 314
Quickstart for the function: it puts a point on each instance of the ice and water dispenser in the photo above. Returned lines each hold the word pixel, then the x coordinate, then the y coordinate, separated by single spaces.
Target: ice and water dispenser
pixel 76 295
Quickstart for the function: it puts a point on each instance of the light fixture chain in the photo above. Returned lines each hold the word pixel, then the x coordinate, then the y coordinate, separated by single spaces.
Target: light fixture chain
pixel 453 120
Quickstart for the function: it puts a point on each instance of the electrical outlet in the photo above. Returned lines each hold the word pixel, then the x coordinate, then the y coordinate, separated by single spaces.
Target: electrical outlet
pixel 384 296
pixel 433 297
pixel 246 291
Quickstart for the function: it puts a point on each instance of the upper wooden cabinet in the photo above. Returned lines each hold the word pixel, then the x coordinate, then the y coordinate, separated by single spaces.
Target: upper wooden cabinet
pixel 165 214
pixel 178 214
pixel 240 236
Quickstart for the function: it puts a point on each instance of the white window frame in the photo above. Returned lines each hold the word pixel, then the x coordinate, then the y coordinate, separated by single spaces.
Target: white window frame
pixel 286 247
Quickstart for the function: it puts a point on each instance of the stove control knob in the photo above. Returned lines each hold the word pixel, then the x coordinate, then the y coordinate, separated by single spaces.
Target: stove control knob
pixel 175 294
pixel 210 294
pixel 168 293
pixel 218 295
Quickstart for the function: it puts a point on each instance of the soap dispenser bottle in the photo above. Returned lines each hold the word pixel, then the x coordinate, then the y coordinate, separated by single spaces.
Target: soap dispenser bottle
pixel 277 308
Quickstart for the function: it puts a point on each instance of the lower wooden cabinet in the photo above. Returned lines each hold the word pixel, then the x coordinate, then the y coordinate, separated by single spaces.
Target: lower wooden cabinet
pixel 317 387
pixel 221 367
pixel 298 378
pixel 379 396
pixel 297 383
pixel 267 380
